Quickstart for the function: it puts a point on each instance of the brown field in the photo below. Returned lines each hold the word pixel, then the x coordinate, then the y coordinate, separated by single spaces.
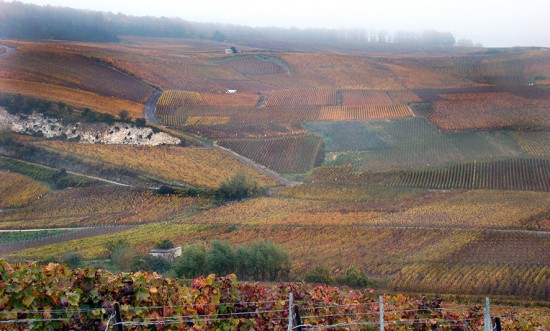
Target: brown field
pixel 348 113
pixel 301 97
pixel 489 110
pixel 534 143
pixel 73 97
pixel 17 190
pixel 109 205
pixel 37 62
pixel 192 165
pixel 253 65
pixel 288 155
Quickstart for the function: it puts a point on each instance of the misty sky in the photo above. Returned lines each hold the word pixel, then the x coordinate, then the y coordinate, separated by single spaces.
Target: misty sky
pixel 491 22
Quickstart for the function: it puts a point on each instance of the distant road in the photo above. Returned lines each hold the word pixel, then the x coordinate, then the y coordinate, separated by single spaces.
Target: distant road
pixel 78 174
pixel 260 168
pixel 150 108
pixel 9 51
pixel 70 234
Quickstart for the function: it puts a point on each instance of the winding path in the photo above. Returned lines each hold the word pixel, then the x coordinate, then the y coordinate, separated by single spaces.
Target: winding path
pixel 150 108
pixel 77 174
pixel 68 235
pixel 149 114
pixel 9 51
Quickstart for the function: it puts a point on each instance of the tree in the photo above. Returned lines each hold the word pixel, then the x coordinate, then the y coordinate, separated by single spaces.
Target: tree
pixel 218 36
pixel 242 262
pixel 268 261
pixel 220 258
pixel 192 262
pixel 140 122
pixel 61 179
pixel 164 244
pixel 124 115
pixel 356 278
pixel 157 263
pixel 123 258
pixel 73 260
pixel 122 254
pixel 6 136
pixel 237 188
pixel 319 275
pixel 233 49
pixel 165 190
pixel 463 42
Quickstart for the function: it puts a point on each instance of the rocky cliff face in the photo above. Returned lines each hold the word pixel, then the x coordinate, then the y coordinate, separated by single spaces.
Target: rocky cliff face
pixel 118 133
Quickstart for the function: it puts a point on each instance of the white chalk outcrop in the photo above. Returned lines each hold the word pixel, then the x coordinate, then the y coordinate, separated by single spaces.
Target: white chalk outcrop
pixel 94 133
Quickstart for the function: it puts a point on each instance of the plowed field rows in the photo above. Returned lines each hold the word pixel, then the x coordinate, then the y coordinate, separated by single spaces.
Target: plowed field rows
pixel 286 155
pixel 347 113
pixel 254 65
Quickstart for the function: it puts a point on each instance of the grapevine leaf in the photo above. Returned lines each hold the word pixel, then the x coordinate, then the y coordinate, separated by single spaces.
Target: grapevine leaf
pixel 142 294
pixel 73 298
pixel 27 301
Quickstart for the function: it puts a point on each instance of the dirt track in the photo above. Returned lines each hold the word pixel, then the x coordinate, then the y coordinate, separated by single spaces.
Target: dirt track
pixel 9 51
pixel 149 114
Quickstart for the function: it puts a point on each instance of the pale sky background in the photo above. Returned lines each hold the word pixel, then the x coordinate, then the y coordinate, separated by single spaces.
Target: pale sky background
pixel 491 22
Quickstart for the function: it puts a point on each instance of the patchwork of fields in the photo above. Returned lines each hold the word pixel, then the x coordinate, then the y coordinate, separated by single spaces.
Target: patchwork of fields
pixel 428 173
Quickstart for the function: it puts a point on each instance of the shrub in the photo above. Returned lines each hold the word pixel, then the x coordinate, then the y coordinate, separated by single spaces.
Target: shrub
pixel 319 275
pixel 164 244
pixel 192 262
pixel 140 122
pixel 124 116
pixel 237 187
pixel 220 258
pixel 6 136
pixel 356 278
pixel 73 260
pixel 165 190
pixel 123 258
pixel 157 264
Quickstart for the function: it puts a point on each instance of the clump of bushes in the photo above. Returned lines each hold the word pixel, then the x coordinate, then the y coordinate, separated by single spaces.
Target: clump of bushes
pixel 353 277
pixel 263 260
pixel 237 187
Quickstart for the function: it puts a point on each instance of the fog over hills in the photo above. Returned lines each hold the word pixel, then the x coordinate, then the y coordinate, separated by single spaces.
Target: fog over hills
pixel 492 23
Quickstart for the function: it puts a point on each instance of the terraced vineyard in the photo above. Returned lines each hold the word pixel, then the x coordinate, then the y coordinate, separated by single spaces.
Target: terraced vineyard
pixel 94 206
pixel 513 70
pixel 511 174
pixel 377 98
pixel 17 190
pixel 286 155
pixel 301 97
pixel 362 113
pixel 73 97
pixel 254 65
pixel 430 180
pixel 415 143
pixel 492 110
pixel 534 143
pixel 36 62
pixel 195 166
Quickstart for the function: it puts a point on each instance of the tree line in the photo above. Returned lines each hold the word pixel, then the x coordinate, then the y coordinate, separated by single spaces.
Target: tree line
pixel 33 22
pixel 262 260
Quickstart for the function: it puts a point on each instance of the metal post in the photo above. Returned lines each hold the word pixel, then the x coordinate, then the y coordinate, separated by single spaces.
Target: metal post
pixel 487 322
pixel 297 320
pixel 289 312
pixel 498 325
pixel 381 309
pixel 118 317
